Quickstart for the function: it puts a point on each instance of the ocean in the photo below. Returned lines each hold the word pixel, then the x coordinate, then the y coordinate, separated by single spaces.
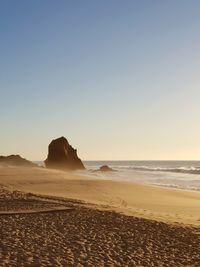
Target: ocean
pixel 174 174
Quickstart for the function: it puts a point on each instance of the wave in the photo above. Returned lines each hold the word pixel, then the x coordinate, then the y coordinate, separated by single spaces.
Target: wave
pixel 189 170
pixel 131 166
pixel 177 186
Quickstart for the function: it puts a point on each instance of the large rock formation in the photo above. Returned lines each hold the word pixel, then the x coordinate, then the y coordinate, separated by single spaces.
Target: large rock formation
pixel 62 155
pixel 15 160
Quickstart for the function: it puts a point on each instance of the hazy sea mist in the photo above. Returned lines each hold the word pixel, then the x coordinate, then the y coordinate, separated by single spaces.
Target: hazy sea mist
pixel 174 174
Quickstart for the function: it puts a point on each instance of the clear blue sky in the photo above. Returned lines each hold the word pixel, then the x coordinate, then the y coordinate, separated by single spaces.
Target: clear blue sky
pixel 120 79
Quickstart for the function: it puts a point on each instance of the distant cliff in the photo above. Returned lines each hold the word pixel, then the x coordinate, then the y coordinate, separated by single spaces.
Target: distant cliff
pixel 61 155
pixel 15 160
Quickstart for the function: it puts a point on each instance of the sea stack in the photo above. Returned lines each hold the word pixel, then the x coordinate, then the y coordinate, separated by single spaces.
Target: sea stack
pixel 62 156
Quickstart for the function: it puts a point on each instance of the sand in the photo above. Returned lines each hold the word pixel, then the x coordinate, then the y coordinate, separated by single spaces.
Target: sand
pixel 50 218
pixel 167 205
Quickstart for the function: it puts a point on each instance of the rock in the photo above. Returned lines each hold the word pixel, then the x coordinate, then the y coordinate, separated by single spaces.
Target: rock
pixel 63 156
pixel 104 168
pixel 16 160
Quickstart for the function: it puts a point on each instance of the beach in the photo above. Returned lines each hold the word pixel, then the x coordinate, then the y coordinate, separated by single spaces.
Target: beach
pixel 54 218
pixel 151 202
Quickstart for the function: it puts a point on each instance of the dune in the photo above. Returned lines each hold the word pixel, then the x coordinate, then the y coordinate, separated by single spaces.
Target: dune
pixel 162 204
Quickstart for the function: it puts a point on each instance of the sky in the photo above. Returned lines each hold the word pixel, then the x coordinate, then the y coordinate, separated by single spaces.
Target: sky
pixel 118 78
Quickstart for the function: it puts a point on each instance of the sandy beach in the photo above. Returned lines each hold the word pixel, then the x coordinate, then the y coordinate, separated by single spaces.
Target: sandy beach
pixel 53 218
pixel 156 203
pixel 99 144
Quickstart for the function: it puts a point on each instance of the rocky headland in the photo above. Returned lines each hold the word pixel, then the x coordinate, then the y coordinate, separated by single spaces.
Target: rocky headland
pixel 15 160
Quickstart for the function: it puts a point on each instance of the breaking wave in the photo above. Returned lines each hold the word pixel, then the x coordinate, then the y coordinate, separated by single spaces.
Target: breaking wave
pixel 189 170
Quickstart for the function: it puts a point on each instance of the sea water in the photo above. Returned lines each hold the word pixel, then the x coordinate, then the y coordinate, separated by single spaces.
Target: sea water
pixel 174 174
